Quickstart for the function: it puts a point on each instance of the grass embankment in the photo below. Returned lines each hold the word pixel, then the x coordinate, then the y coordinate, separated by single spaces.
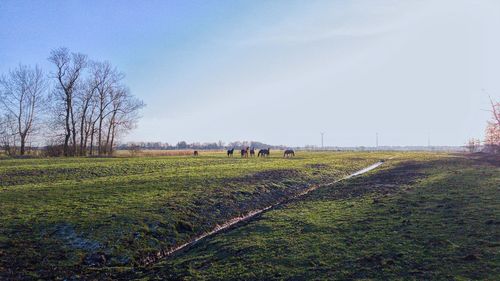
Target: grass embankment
pixel 432 218
pixel 64 216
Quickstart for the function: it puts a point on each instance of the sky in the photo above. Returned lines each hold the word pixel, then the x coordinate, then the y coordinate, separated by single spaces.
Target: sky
pixel 281 72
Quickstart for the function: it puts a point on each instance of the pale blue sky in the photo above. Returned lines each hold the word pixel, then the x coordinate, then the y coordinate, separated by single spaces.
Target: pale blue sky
pixel 282 71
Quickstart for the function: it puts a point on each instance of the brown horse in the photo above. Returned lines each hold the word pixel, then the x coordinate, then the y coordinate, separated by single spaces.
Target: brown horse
pixel 244 152
pixel 196 153
pixel 264 152
pixel 230 152
pixel 289 153
pixel 252 152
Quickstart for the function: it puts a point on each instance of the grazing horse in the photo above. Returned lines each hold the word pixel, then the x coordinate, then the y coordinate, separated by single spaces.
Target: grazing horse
pixel 289 153
pixel 196 153
pixel 244 152
pixel 252 152
pixel 264 152
pixel 230 152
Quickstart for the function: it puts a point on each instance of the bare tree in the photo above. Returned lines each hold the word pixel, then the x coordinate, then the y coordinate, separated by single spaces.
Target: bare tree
pixel 22 94
pixel 220 144
pixel 124 115
pixel 105 107
pixel 89 109
pixel 495 110
pixel 89 128
pixel 69 68
pixel 107 80
pixel 8 135
pixel 134 150
pixel 473 145
pixel 492 138
pixel 87 103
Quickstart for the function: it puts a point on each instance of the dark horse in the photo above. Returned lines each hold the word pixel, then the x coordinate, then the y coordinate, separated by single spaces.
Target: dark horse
pixel 252 152
pixel 289 153
pixel 230 152
pixel 196 153
pixel 244 152
pixel 264 152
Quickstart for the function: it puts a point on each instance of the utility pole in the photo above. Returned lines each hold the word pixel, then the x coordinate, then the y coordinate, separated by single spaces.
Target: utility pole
pixel 322 146
pixel 376 139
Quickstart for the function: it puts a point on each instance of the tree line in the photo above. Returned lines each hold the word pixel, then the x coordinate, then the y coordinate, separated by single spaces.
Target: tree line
pixel 197 145
pixel 79 108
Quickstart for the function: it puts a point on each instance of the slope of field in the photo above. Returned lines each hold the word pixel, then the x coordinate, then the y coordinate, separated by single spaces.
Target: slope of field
pixel 61 217
pixel 419 218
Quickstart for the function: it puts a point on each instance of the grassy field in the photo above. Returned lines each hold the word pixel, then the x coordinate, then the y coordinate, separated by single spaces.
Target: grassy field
pixel 84 216
pixel 418 217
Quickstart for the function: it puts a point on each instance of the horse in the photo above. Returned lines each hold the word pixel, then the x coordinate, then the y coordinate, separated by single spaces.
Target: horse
pixel 264 152
pixel 196 153
pixel 252 152
pixel 244 152
pixel 289 153
pixel 230 152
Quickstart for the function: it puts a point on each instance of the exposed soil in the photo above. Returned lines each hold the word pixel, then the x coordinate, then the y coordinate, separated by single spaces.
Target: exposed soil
pixel 271 175
pixel 317 166
pixel 492 159
pixel 382 182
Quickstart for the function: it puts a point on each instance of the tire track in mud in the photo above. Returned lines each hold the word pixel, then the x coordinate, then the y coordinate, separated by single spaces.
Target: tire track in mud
pixel 149 260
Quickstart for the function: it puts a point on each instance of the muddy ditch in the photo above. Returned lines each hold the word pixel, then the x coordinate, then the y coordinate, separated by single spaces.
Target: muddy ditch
pixel 232 222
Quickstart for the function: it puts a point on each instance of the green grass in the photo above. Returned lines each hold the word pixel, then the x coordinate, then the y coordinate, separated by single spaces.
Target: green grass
pixel 422 217
pixel 59 217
